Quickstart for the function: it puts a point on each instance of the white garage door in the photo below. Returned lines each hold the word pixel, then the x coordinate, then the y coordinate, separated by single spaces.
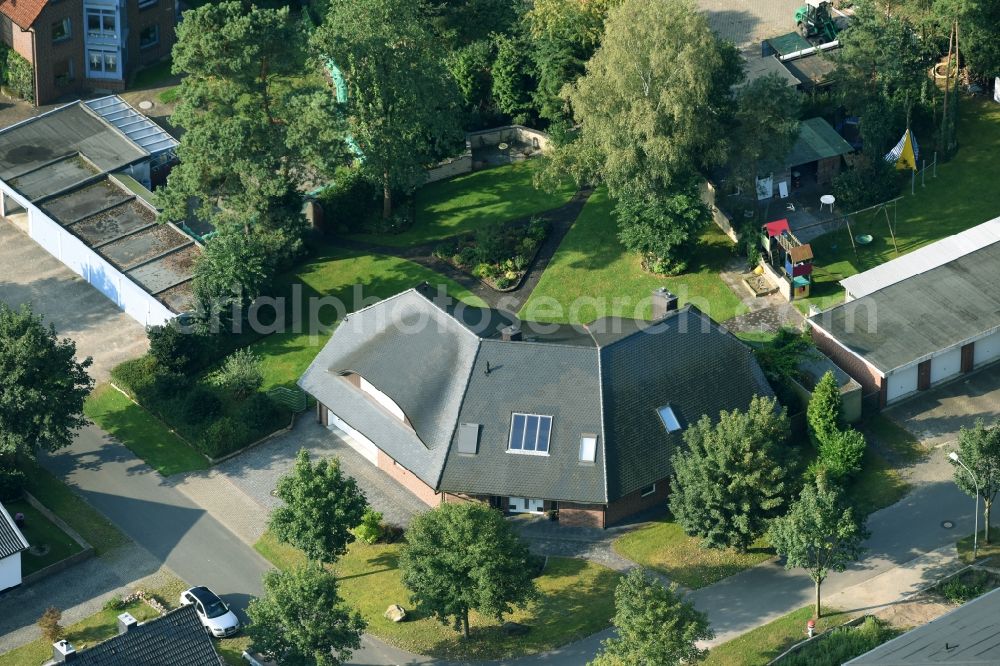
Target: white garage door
pixel 901 383
pixel 987 349
pixel 945 365
pixel 354 439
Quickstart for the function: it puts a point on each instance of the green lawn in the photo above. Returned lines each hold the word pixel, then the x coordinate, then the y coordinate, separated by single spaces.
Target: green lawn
pixel 463 204
pixel 42 534
pixel 763 644
pixel 91 630
pixel 577 601
pixel 592 275
pixel 663 546
pixel 346 281
pixel 992 549
pixel 963 195
pixel 60 500
pixel 877 486
pixel 144 434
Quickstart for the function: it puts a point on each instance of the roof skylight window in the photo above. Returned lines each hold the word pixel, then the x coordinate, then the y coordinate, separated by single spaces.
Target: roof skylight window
pixel 669 419
pixel 529 434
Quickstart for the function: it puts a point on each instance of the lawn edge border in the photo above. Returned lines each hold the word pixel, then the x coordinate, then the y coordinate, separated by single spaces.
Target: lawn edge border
pixel 87 551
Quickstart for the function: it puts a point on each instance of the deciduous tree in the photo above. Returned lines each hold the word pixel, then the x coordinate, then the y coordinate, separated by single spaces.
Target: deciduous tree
pixel 979 449
pixel 732 479
pixel 462 557
pixel 321 508
pixel 654 625
pixel 42 386
pixel 656 97
pixel 823 412
pixel 402 103
pixel 766 126
pixel 301 619
pixel 819 534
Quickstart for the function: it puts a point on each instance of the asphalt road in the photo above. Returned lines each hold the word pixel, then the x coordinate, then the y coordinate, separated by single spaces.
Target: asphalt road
pixel 201 550
pixel 178 533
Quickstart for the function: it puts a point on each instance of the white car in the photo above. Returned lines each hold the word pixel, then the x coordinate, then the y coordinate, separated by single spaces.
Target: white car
pixel 213 612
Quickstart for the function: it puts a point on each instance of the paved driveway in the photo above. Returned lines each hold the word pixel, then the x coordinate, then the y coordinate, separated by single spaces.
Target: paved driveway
pixel 936 416
pixel 256 471
pixel 29 274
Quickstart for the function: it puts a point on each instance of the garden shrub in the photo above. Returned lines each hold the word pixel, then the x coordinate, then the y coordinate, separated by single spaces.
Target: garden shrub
pixel 115 603
pixel 842 644
pixel 351 200
pixel 17 74
pixel 841 453
pixel 966 586
pixel 134 376
pixel 260 413
pixel 224 436
pixel 490 243
pixel 866 184
pixel 467 256
pixel 167 385
pixel 240 374
pixel 175 349
pixel 370 529
pixel 12 482
pixel 200 405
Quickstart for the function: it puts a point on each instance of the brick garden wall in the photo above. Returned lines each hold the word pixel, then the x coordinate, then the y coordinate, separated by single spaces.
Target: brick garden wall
pixel 634 503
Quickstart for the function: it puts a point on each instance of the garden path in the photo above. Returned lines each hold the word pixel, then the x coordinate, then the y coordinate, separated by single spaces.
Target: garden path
pixel 560 221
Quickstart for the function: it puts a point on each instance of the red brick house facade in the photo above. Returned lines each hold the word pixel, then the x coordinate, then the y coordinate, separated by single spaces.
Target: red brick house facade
pixel 77 46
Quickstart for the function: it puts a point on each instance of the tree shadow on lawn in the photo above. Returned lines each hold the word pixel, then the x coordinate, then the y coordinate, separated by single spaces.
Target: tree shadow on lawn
pixel 557 618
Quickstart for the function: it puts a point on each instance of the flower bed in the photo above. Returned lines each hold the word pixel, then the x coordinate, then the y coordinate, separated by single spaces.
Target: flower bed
pixel 497 255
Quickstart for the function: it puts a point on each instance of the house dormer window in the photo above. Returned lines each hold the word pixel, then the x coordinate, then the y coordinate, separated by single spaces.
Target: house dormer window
pixel 381 398
pixel 529 434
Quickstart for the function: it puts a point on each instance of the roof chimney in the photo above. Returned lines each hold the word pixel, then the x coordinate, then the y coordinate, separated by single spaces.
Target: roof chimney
pixel 126 622
pixel 663 302
pixel 510 333
pixel 63 652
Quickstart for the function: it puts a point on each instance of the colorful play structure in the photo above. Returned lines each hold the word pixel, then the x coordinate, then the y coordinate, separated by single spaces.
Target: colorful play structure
pixel 787 259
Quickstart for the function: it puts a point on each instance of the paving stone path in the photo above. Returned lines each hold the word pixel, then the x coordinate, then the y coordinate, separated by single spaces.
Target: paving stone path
pixel 560 221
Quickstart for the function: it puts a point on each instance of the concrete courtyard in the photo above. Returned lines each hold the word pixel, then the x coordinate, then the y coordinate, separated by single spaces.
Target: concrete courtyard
pixel 747 22
pixel 78 311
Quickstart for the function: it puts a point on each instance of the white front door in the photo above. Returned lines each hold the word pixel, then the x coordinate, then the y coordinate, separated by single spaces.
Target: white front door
pixel 353 438
pixel 524 505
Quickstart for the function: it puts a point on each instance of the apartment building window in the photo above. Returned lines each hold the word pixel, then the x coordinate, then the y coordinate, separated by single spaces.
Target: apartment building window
pixel 147 3
pixel 103 61
pixel 62 30
pixel 149 36
pixel 101 23
pixel 63 72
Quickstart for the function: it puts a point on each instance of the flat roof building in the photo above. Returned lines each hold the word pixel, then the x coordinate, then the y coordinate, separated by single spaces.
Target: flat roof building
pixel 76 180
pixel 921 322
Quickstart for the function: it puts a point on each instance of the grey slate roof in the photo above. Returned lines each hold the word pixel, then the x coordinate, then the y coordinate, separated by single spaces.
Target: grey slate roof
pixel 968 635
pixel 685 361
pixel 908 321
pixel 175 639
pixel 11 539
pixel 560 381
pixel 413 352
pixel 607 380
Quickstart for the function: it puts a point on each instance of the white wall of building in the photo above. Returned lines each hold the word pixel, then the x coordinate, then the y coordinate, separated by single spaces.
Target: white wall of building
pixel 70 250
pixel 353 438
pixel 946 364
pixel 901 383
pixel 10 570
pixel 987 349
